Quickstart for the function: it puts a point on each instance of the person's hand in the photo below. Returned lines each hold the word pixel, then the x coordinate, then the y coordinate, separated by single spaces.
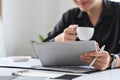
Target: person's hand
pixel 103 59
pixel 69 34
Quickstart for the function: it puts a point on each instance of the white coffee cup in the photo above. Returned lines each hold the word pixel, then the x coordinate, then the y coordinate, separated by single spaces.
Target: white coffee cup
pixel 85 33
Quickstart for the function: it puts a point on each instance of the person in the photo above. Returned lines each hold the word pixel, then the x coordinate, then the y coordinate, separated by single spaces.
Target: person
pixel 104 17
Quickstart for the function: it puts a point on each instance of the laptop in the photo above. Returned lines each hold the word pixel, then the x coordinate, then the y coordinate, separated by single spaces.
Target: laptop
pixel 54 55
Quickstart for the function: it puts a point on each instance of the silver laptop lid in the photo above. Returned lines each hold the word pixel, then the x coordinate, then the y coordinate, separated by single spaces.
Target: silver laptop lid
pixel 63 53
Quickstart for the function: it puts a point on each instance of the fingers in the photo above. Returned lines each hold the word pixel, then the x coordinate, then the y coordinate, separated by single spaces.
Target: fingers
pixel 69 34
pixel 91 55
pixel 100 66
pixel 69 37
pixel 71 30
pixel 97 46
pixel 102 61
pixel 90 59
pixel 96 54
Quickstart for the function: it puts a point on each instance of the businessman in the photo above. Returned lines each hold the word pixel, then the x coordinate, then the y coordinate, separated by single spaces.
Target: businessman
pixel 104 17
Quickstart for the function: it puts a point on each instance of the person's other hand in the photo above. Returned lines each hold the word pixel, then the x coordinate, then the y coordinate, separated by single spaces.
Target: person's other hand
pixel 103 59
pixel 69 34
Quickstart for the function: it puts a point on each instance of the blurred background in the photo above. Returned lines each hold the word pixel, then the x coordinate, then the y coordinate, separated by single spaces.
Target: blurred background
pixel 22 21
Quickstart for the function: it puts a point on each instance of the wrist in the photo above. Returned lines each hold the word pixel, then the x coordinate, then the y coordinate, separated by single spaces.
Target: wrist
pixel 59 38
pixel 113 61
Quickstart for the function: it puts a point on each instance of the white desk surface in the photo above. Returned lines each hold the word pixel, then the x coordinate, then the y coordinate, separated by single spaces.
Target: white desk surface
pixel 8 61
pixel 112 74
pixel 32 62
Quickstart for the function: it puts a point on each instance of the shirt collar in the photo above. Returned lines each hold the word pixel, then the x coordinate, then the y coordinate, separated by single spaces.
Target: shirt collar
pixel 107 11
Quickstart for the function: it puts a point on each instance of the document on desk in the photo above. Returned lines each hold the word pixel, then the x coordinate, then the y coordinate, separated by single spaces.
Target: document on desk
pixel 37 73
pixel 42 73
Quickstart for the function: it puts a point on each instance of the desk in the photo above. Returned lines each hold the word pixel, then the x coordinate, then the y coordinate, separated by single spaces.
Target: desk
pixel 32 62
pixel 112 74
pixel 8 61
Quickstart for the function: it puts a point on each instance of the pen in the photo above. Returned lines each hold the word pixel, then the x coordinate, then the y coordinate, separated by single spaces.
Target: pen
pixel 102 48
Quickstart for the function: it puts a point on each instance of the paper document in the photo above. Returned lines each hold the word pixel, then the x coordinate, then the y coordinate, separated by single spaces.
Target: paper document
pixel 35 73
pixel 42 73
